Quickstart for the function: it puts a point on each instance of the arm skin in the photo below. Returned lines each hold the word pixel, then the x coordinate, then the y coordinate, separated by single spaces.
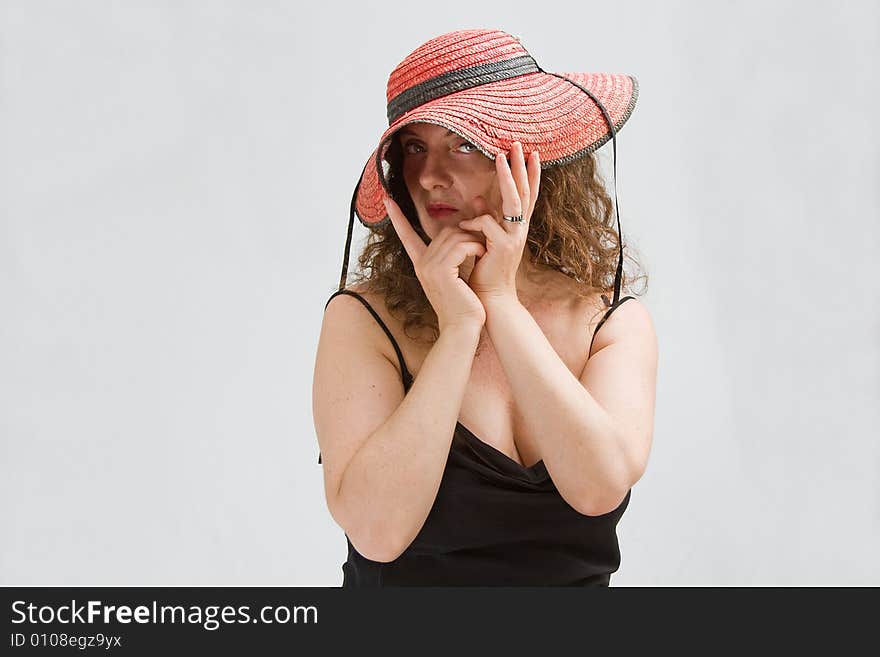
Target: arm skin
pixel 596 429
pixel 390 484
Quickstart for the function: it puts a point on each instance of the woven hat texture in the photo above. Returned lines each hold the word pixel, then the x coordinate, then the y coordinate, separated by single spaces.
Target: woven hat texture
pixel 484 86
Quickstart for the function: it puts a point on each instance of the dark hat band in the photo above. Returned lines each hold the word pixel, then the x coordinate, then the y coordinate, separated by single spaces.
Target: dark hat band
pixel 452 81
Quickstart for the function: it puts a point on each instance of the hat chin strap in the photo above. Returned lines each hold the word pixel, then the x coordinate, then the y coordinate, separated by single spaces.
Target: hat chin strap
pixel 618 277
pixel 344 276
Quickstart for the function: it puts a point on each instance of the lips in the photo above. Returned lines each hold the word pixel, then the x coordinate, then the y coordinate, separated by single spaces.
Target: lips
pixel 441 210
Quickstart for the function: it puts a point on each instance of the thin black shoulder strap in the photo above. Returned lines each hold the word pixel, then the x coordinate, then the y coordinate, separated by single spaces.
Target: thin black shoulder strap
pixel 405 375
pixel 602 321
pixel 403 370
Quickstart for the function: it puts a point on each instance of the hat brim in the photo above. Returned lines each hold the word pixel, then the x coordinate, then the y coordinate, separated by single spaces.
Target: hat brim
pixel 539 110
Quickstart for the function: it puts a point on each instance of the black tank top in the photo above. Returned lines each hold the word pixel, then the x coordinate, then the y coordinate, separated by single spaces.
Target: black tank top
pixel 495 522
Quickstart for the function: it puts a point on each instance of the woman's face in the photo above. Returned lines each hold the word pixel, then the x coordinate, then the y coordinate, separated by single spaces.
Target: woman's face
pixel 441 168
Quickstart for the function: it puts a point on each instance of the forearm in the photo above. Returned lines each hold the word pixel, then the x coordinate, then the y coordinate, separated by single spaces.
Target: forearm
pixel 391 482
pixel 580 443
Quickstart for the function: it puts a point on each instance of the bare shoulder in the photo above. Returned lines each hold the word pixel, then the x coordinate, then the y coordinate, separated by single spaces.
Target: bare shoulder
pixel 357 323
pixel 631 322
pixel 375 300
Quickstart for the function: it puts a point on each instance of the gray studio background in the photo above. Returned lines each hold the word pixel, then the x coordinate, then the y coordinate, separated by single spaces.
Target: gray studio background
pixel 175 180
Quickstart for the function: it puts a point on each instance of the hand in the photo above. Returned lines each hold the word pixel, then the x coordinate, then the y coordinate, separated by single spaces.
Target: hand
pixel 494 274
pixel 437 266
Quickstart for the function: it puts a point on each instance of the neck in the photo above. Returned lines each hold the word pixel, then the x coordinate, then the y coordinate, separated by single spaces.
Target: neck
pixel 527 290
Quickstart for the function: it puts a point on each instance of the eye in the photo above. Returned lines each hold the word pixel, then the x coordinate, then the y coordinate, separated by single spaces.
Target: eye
pixel 407 145
pixel 469 145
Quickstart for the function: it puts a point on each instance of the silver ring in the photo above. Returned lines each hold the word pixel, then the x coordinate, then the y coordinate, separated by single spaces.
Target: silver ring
pixel 515 219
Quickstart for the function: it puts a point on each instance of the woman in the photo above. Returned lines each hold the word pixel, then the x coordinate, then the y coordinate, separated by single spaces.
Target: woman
pixel 475 425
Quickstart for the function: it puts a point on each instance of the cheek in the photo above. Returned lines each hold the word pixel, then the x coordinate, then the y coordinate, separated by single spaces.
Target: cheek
pixel 408 176
pixel 496 195
pixel 491 191
pixel 482 183
pixel 492 195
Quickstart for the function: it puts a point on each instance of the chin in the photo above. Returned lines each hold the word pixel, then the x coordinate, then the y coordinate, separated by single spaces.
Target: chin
pixel 432 226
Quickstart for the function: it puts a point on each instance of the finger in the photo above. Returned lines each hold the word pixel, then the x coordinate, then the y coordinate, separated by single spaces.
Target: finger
pixel 458 253
pixel 492 231
pixel 534 167
pixel 464 250
pixel 511 203
pixel 520 175
pixel 467 253
pixel 480 207
pixel 413 244
pixel 466 268
pixel 450 244
pixel 485 222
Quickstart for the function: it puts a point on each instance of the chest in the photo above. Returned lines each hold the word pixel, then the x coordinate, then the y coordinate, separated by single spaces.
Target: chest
pixel 489 408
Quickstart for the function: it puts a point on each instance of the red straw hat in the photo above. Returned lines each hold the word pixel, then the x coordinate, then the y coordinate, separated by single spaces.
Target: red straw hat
pixel 485 86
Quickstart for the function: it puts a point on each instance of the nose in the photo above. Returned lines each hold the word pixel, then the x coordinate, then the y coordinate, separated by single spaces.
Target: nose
pixel 435 172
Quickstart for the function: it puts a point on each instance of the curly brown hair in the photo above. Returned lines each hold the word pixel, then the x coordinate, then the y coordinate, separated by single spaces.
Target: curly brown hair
pixel 572 230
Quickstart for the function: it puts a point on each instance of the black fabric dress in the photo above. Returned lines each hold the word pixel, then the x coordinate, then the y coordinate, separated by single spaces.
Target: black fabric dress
pixel 495 522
